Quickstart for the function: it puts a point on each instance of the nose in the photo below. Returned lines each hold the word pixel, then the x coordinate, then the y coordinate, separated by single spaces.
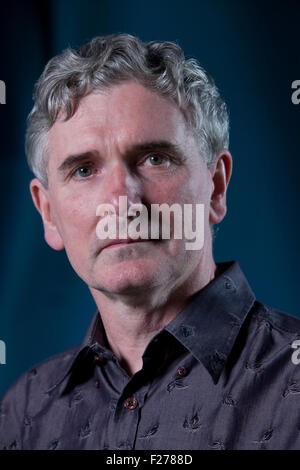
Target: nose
pixel 121 182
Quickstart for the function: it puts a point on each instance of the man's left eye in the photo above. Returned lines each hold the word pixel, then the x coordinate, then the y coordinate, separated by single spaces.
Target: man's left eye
pixel 155 159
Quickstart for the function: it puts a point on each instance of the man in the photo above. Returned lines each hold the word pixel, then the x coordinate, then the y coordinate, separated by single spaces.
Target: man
pixel 179 355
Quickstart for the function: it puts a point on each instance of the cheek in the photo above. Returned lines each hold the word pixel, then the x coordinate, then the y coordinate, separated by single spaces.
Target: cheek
pixel 181 192
pixel 75 217
pixel 169 190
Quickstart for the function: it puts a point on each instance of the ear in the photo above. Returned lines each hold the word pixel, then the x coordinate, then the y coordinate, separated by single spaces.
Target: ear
pixel 221 173
pixel 41 199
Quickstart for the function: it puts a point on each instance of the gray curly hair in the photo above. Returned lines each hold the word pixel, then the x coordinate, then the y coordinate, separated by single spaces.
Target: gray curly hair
pixel 109 60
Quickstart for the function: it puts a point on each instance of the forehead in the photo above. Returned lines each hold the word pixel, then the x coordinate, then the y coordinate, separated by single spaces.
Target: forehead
pixel 122 115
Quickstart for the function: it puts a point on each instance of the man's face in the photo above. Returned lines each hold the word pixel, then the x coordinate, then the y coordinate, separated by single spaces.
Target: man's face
pixel 124 141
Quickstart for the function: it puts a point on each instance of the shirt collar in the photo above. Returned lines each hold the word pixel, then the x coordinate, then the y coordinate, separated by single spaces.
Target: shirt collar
pixel 91 343
pixel 208 326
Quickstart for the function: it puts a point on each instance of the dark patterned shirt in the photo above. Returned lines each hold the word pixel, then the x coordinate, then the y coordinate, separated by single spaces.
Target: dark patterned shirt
pixel 224 374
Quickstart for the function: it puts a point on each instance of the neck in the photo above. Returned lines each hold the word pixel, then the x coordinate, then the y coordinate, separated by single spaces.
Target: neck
pixel 131 321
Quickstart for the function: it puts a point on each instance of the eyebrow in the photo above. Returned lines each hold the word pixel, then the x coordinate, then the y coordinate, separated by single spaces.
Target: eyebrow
pixel 154 145
pixel 72 160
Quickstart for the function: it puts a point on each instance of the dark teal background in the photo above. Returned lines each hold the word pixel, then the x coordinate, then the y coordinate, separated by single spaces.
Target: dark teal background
pixel 252 50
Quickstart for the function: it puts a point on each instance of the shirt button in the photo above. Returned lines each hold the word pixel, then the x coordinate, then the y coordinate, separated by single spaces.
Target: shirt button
pixel 131 403
pixel 97 383
pixel 98 358
pixel 182 371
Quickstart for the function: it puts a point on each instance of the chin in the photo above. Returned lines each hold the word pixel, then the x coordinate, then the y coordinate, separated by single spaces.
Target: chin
pixel 127 279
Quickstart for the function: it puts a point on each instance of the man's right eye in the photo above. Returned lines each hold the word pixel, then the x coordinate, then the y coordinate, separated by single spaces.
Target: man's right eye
pixel 83 172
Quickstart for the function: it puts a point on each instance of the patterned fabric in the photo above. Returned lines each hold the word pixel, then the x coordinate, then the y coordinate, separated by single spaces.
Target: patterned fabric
pixel 218 376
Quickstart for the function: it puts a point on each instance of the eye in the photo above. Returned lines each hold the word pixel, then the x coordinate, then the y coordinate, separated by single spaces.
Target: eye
pixel 83 172
pixel 155 159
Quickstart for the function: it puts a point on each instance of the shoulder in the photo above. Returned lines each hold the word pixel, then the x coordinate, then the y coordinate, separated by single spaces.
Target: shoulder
pixel 273 333
pixel 265 378
pixel 30 386
pixel 273 350
pixel 282 322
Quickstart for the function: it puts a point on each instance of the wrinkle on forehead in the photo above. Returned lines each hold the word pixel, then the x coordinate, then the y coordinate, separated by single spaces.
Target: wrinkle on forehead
pixel 116 119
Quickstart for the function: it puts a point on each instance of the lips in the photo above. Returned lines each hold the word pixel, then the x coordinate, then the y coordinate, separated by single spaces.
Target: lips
pixel 119 242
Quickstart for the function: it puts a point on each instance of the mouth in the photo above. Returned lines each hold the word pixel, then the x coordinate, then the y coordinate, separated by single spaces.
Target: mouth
pixel 120 243
pixel 110 244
